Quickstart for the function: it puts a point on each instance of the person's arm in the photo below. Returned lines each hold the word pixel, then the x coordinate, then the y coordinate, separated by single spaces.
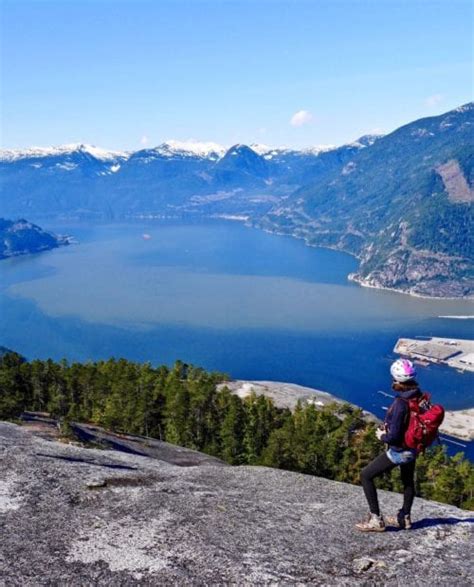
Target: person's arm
pixel 397 425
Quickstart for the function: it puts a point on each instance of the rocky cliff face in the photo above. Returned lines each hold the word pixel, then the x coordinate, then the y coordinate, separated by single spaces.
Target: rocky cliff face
pixel 421 273
pixel 80 516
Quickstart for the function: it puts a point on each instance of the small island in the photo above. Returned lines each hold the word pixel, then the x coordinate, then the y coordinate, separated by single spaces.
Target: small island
pixel 20 237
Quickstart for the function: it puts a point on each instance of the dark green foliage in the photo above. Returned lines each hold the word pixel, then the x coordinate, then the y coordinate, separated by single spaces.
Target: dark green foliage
pixel 232 431
pixel 14 387
pixel 182 405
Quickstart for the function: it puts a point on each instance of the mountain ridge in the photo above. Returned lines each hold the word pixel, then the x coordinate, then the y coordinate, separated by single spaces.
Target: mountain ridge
pixel 401 203
pixel 172 146
pixel 164 181
pixel 392 208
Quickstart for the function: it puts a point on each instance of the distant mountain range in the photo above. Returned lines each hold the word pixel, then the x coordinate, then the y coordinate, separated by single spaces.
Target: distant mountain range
pixel 173 179
pixel 22 237
pixel 401 203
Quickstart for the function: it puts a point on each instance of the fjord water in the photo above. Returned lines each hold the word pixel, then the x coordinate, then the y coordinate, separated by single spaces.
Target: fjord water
pixel 228 298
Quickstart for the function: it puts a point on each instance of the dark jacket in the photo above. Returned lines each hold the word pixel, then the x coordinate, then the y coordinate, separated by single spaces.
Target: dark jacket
pixel 396 420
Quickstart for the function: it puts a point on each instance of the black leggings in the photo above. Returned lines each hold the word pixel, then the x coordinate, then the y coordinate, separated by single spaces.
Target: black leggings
pixel 380 465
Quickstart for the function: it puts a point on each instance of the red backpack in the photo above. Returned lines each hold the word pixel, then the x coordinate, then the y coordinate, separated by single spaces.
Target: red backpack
pixel 423 422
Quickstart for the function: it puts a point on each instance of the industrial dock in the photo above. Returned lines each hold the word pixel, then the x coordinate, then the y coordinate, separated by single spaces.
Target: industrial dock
pixel 457 353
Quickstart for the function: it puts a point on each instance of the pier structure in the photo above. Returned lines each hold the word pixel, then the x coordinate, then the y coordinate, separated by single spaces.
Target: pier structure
pixel 457 353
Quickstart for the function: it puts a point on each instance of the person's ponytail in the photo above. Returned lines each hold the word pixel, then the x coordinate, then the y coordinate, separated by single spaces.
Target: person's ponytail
pixel 400 387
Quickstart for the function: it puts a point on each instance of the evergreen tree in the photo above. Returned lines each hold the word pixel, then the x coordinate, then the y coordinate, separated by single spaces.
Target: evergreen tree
pixel 232 432
pixel 15 393
pixel 177 412
pixel 183 405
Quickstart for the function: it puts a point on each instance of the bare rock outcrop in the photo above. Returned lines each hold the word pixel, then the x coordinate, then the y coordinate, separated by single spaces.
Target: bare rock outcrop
pixel 287 395
pixel 77 516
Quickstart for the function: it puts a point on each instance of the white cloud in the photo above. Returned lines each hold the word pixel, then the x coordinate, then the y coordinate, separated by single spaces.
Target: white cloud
pixel 434 100
pixel 144 140
pixel 301 118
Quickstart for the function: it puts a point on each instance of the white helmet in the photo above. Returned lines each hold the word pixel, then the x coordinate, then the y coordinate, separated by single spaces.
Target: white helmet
pixel 403 370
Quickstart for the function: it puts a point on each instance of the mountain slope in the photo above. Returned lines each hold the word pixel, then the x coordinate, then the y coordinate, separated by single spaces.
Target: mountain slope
pixel 402 206
pixel 56 181
pixel 86 516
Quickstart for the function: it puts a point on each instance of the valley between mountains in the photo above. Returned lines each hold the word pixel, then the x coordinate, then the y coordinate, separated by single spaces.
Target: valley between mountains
pixel 400 203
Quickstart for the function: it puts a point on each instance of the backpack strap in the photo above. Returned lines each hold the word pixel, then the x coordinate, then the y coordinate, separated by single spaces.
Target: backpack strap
pixel 407 411
pixel 413 404
pixel 420 403
pixel 390 409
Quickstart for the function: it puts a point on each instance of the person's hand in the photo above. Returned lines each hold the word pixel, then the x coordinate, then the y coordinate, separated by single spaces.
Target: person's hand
pixel 379 433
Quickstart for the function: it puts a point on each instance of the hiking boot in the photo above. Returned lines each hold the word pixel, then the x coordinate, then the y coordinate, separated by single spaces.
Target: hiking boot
pixel 373 523
pixel 401 521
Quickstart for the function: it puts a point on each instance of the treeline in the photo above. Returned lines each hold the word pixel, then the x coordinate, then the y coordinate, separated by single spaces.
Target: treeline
pixel 182 405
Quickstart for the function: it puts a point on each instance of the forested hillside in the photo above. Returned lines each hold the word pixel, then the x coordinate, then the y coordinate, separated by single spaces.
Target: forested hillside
pixel 182 405
pixel 402 206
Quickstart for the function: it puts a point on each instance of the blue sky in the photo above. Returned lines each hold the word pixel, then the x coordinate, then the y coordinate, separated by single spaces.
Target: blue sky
pixel 131 73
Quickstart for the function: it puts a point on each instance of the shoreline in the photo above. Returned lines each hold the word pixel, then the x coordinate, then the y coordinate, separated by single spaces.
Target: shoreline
pixel 355 278
pixel 352 277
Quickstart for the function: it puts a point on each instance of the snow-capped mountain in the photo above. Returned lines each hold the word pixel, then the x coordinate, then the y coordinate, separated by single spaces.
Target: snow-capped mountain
pixel 268 152
pixel 9 155
pixel 206 150
pixel 354 197
pixel 243 159
pixel 85 180
pixel 171 148
pixel 365 141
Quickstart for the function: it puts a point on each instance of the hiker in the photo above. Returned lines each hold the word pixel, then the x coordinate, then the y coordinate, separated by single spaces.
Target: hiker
pixel 392 433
